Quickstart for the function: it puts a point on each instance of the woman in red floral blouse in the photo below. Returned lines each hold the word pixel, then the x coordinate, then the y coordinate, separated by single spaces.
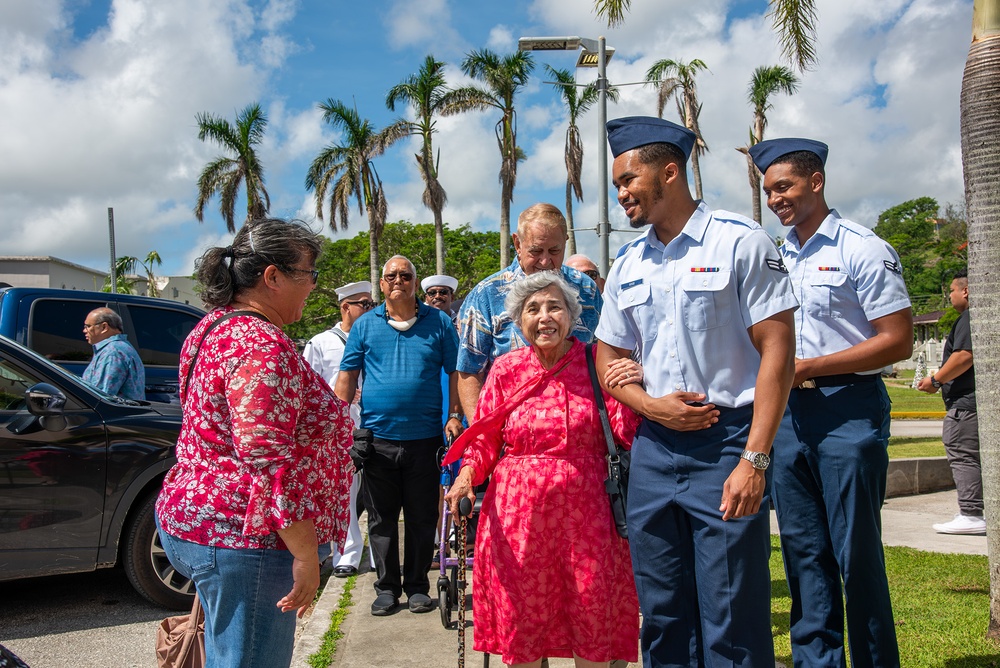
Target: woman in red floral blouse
pixel 262 475
pixel 551 576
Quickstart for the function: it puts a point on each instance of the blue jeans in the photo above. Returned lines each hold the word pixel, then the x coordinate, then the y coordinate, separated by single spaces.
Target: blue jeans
pixel 239 591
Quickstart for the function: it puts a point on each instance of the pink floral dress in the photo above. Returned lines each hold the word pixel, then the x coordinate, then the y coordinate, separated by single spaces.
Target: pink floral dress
pixel 552 577
pixel 263 442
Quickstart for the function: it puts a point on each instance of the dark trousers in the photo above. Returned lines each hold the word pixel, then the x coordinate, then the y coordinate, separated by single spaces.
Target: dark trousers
pixel 402 475
pixel 830 465
pixel 704 585
pixel 961 444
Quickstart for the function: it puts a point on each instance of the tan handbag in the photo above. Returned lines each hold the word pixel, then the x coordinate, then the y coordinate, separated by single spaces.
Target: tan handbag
pixel 180 640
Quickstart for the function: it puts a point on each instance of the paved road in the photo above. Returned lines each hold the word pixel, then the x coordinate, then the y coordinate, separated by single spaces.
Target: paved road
pixel 915 428
pixel 83 620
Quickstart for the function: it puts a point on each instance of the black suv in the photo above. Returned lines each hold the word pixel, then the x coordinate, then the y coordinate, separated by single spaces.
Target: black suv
pixel 79 474
pixel 50 322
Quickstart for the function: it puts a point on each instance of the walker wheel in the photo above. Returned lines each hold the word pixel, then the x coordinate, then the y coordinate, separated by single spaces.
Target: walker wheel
pixel 444 603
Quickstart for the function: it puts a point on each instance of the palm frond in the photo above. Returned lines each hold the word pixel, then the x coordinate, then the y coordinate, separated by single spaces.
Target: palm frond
pixel 613 11
pixel 795 23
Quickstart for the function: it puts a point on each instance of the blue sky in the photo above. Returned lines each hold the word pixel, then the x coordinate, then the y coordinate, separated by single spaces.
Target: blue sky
pixel 99 101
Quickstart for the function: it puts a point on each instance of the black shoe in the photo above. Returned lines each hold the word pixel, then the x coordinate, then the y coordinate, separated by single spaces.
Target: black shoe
pixel 420 603
pixel 384 604
pixel 344 571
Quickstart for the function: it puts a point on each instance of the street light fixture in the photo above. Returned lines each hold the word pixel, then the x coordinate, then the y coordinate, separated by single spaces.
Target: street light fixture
pixel 594 53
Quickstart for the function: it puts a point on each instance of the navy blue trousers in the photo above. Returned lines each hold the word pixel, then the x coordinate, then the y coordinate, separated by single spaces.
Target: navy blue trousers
pixel 704 585
pixel 830 465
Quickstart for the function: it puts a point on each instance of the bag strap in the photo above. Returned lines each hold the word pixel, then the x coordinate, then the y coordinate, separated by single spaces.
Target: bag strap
pixel 339 334
pixel 602 408
pixel 219 321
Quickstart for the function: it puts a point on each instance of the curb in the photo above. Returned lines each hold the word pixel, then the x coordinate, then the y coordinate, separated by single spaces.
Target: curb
pixel 918 475
pixel 917 415
pixel 310 631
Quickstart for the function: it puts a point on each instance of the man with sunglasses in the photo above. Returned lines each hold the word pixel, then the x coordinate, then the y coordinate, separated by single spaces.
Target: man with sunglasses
pixel 323 353
pixel 586 266
pixel 439 292
pixel 401 347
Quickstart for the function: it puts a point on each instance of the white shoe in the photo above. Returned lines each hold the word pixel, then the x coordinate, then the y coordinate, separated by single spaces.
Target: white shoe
pixel 969 525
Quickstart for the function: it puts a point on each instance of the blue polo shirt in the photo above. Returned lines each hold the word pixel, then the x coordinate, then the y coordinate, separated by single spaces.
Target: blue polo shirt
pixel 402 397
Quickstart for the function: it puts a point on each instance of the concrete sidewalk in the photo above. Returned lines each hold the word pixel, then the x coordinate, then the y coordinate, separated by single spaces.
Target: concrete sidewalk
pixel 409 640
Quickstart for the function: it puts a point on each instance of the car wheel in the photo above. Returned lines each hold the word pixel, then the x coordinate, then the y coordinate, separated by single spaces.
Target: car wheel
pixel 146 563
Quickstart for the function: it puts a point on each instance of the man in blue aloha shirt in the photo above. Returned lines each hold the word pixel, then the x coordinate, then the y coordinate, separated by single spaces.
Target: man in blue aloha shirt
pixel 486 331
pixel 115 368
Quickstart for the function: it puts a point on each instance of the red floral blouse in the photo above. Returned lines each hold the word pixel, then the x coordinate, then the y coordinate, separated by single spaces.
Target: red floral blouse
pixel 263 442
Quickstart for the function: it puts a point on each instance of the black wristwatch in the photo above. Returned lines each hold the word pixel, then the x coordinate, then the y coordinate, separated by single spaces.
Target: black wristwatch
pixel 935 383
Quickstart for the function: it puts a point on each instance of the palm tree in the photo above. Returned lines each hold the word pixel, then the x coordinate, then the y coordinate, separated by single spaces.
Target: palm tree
pixel 427 93
pixel 224 175
pixel 577 103
pixel 980 126
pixel 766 82
pixel 502 76
pixel 793 20
pixel 675 78
pixel 349 168
pixel 127 266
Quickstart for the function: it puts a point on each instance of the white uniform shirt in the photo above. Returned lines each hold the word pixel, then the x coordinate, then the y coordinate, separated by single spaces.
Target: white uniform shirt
pixel 323 353
pixel 844 277
pixel 687 305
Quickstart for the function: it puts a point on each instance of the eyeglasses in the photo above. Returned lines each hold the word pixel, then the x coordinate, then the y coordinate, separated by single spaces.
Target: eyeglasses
pixel 89 326
pixel 403 276
pixel 365 304
pixel 436 292
pixel 313 273
pixel 593 273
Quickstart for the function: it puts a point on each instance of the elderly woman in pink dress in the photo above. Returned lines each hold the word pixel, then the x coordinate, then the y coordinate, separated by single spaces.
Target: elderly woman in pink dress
pixel 552 577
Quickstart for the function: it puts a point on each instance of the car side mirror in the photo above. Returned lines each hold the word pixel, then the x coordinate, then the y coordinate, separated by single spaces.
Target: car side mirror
pixel 46 402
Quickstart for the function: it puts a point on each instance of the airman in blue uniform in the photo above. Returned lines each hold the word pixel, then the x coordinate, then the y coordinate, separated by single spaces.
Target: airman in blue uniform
pixel 705 299
pixel 830 457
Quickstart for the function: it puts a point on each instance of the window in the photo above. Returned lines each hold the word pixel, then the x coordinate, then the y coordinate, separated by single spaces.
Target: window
pixel 13 383
pixel 161 332
pixel 56 329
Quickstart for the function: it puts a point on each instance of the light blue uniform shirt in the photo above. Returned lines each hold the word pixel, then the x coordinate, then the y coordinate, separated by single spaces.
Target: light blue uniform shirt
pixel 687 305
pixel 844 277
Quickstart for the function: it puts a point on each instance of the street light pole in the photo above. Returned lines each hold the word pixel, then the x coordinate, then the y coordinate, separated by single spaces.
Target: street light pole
pixel 600 52
pixel 603 225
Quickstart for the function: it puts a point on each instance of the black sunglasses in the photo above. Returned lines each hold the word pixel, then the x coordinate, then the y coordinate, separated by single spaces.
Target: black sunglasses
pixel 366 304
pixel 404 276
pixel 434 292
pixel 593 273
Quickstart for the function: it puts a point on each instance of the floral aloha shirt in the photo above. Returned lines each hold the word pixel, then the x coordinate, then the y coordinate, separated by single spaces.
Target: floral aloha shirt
pixel 263 442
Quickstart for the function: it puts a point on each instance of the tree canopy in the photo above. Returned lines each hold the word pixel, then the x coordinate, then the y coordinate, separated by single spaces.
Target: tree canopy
pixel 932 246
pixel 471 257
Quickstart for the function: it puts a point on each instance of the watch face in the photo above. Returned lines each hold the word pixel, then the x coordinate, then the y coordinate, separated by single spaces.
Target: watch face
pixel 761 461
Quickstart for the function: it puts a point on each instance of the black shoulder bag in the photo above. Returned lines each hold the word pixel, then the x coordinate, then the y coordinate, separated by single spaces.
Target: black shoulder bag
pixel 618 458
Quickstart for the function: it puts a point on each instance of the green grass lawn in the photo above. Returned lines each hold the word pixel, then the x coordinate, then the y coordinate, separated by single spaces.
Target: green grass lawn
pixel 940 603
pixel 905 399
pixel 902 447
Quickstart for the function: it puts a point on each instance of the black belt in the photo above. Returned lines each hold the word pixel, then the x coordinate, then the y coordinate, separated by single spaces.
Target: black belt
pixel 837 380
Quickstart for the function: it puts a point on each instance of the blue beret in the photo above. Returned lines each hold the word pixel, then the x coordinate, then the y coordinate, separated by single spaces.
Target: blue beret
pixel 625 134
pixel 769 150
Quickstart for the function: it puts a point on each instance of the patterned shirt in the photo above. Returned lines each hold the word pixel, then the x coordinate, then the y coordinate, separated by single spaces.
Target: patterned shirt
pixel 486 331
pixel 263 442
pixel 116 369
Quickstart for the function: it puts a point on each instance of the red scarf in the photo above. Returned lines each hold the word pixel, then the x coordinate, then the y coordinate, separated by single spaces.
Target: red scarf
pixel 496 419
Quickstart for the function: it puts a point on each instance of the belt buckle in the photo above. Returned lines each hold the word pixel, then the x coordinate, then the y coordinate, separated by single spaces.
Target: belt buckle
pixel 808 384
